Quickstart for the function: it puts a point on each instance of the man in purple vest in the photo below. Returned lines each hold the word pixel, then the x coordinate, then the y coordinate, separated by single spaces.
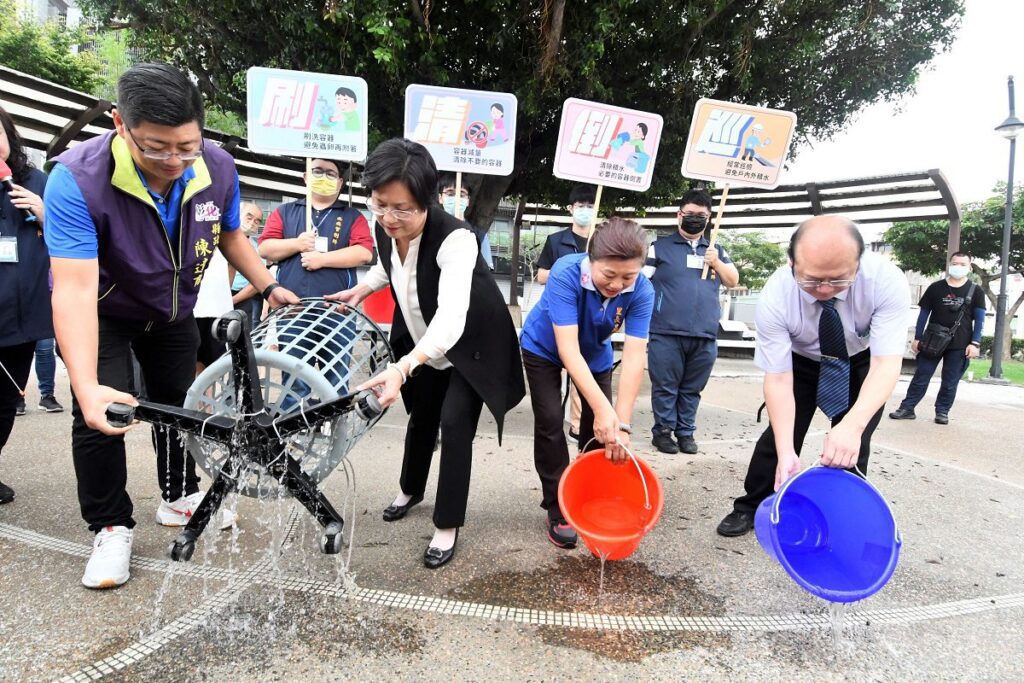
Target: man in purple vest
pixel 136 216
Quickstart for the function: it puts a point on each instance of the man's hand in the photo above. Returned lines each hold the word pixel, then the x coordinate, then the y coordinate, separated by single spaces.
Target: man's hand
pixel 915 346
pixel 711 258
pixel 842 446
pixel 972 351
pixel 789 465
pixel 350 297
pixel 94 401
pixel 280 296
pixel 313 260
pixel 387 386
pixel 306 241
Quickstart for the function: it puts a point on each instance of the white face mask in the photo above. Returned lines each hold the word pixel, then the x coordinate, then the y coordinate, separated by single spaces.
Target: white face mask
pixel 958 272
pixel 449 205
pixel 583 215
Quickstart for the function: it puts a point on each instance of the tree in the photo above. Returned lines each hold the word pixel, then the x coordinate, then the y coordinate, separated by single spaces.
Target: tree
pixel 921 246
pixel 823 59
pixel 754 257
pixel 45 50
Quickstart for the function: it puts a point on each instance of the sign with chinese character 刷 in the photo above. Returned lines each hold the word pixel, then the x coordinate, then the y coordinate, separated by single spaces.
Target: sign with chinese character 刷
pixel 298 113
pixel 472 131
pixel 737 143
pixel 606 145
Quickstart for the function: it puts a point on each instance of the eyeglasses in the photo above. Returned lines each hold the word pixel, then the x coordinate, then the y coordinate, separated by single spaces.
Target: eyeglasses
pixel 398 214
pixel 705 216
pixel 321 173
pixel 451 193
pixel 164 156
pixel 812 285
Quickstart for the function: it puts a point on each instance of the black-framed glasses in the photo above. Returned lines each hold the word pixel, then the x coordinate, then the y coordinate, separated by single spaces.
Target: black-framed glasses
pixel 321 173
pixel 164 156
pixel 703 216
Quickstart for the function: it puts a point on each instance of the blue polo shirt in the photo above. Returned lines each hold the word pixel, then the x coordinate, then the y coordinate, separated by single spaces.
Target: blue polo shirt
pixel 570 298
pixel 71 232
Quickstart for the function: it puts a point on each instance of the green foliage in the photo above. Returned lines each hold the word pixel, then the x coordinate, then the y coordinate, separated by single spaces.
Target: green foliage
pixel 225 121
pixel 1016 350
pixel 823 59
pixel 754 257
pixel 112 48
pixel 45 50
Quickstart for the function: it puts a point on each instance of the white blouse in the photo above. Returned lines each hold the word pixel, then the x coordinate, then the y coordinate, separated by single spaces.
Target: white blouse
pixel 456 258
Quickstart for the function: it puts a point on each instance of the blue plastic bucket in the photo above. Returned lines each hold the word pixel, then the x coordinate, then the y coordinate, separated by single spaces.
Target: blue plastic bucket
pixel 832 532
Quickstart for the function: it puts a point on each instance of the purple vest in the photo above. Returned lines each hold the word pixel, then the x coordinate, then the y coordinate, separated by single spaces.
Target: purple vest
pixel 142 275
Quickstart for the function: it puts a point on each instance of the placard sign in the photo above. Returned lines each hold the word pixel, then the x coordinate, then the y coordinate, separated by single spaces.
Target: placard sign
pixel 472 131
pixel 303 114
pixel 606 145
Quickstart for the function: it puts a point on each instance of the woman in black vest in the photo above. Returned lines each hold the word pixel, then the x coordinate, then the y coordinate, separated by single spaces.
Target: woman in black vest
pixel 453 336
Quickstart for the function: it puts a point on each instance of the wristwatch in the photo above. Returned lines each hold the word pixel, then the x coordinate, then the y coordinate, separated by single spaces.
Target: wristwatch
pixel 626 427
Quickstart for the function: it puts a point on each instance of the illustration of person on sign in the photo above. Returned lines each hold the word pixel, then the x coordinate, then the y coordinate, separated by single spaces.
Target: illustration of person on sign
pixel 754 142
pixel 346 109
pixel 497 126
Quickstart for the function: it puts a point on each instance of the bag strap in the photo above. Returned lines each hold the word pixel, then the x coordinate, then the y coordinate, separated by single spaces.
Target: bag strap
pixel 968 298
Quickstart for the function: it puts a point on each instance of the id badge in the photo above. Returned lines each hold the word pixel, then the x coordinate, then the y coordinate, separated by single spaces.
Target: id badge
pixel 8 249
pixel 694 261
pixel 321 244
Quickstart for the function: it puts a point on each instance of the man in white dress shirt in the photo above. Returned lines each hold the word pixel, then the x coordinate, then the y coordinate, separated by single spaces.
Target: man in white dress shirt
pixel 831 332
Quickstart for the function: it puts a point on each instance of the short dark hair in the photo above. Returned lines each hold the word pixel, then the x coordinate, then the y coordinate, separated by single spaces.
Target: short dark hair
pixel 850 226
pixel 698 197
pixel 407 162
pixel 960 253
pixel 446 180
pixel 347 92
pixel 583 193
pixel 158 93
pixel 497 105
pixel 17 159
pixel 643 127
pixel 337 165
pixel 618 238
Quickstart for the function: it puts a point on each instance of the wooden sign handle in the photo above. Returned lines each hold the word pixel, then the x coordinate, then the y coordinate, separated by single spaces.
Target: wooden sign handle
pixel 714 230
pixel 593 221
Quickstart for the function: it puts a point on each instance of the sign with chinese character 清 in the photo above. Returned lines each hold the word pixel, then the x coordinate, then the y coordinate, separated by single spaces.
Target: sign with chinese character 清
pixel 472 131
pixel 606 145
pixel 297 113
pixel 738 144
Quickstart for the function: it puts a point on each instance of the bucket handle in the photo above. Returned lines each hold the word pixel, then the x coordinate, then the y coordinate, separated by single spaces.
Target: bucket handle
pixel 774 517
pixel 636 463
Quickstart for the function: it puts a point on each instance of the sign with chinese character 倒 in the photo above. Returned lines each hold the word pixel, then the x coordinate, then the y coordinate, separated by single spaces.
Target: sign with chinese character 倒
pixel 606 145
pixel 472 131
pixel 738 144
pixel 304 114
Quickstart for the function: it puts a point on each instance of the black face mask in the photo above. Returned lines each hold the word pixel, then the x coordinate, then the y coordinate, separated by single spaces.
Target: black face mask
pixel 693 225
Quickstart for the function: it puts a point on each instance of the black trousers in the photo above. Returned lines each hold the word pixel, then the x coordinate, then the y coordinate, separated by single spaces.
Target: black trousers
pixel 550 451
pixel 760 479
pixel 167 357
pixel 18 361
pixel 443 400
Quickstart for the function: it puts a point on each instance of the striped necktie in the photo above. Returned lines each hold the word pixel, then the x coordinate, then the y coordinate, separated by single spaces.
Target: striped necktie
pixel 834 377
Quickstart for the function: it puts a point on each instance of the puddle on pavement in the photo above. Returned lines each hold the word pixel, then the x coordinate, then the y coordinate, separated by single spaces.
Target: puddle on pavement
pixel 572 584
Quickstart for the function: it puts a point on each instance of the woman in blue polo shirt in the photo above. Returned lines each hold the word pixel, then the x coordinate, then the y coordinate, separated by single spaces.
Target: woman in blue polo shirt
pixel 588 297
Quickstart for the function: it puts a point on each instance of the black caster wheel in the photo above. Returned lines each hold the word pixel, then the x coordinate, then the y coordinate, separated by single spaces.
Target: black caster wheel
pixel 182 548
pixel 330 542
pixel 227 329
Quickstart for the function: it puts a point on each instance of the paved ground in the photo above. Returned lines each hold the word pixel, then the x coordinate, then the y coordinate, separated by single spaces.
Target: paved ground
pixel 264 604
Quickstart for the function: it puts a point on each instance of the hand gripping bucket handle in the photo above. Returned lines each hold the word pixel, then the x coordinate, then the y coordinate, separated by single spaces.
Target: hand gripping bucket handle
pixel 774 517
pixel 636 463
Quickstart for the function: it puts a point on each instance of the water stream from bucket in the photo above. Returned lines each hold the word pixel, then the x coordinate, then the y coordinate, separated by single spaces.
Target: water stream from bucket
pixel 600 587
pixel 837 615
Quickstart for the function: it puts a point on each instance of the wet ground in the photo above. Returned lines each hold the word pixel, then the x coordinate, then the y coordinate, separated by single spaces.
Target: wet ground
pixel 262 603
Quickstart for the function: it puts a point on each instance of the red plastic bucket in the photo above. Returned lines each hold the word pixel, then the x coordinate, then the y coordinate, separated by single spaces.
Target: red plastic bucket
pixel 380 306
pixel 611 506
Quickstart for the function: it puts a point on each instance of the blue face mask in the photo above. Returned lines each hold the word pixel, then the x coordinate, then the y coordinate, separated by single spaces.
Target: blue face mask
pixel 583 215
pixel 957 272
pixel 449 204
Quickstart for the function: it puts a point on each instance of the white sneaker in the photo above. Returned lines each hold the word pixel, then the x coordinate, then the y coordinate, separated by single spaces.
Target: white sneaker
pixel 111 555
pixel 179 512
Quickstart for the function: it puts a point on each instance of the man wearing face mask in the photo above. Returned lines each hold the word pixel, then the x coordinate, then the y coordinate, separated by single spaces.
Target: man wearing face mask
pixel 684 327
pixel 458 207
pixel 572 240
pixel 244 296
pixel 322 260
pixel 944 302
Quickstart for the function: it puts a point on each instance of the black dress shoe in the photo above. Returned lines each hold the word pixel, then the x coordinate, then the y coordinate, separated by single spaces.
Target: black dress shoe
pixel 902 414
pixel 736 523
pixel 664 443
pixel 396 512
pixel 687 444
pixel 941 419
pixel 6 493
pixel 435 557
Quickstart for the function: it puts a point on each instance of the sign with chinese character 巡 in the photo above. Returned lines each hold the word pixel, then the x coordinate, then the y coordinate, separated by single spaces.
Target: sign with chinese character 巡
pixel 304 114
pixel 472 131
pixel 606 145
pixel 738 144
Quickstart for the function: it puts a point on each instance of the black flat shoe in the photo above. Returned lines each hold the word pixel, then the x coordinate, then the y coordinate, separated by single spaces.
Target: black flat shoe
pixel 736 524
pixel 396 512
pixel 435 557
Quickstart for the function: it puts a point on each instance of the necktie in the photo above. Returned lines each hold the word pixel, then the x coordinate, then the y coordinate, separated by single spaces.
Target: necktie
pixel 834 377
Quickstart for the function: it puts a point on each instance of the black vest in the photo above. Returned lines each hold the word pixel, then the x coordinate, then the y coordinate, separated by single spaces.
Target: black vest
pixel 487 353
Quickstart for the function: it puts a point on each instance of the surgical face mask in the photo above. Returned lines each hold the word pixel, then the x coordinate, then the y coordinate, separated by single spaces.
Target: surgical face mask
pixel 583 215
pixel 958 272
pixel 450 206
pixel 694 225
pixel 324 186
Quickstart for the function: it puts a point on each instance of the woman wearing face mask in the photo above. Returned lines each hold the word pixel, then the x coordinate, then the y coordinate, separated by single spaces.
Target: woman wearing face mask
pixel 453 336
pixel 25 314
pixel 588 298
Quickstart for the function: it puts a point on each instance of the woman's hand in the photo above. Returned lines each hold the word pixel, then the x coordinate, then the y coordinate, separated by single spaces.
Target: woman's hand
pixel 385 385
pixel 606 430
pixel 617 451
pixel 350 297
pixel 24 199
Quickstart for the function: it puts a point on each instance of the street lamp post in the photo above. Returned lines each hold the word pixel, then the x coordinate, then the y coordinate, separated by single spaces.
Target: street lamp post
pixel 1009 130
